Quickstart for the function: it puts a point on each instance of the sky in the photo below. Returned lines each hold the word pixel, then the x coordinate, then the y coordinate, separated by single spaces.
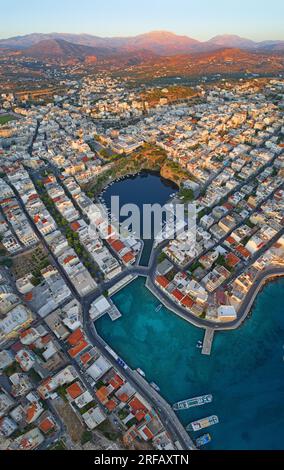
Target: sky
pixel 200 19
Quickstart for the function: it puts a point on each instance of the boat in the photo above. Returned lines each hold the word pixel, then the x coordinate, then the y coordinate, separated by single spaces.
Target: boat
pixel 203 440
pixel 202 423
pixel 158 308
pixel 190 402
pixel 155 386
pixel 141 372
pixel 199 344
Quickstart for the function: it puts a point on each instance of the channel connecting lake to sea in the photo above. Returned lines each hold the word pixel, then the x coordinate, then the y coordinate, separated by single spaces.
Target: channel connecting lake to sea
pixel 244 372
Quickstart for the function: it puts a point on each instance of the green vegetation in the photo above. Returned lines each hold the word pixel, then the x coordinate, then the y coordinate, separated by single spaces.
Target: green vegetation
pixel 203 212
pixel 186 194
pixel 148 157
pixel 250 224
pixel 6 262
pixel 37 276
pixel 222 262
pixel 86 408
pixel 12 369
pixel 194 266
pixel 174 93
pixel 86 437
pixel 170 275
pixel 61 391
pixel 123 413
pixel 99 384
pixel 245 240
pixel 35 376
pixel 162 256
pixel 71 236
pixel 173 171
pixel 58 446
pixel 108 156
pixel 5 119
pixel 107 430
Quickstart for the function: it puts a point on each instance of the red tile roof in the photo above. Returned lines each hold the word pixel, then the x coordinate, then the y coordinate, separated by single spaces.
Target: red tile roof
pixel 46 425
pixel 123 397
pixel 232 259
pixel 76 336
pixel 137 405
pixel 230 240
pixel 117 245
pixel 74 390
pixel 187 301
pixel 177 294
pixel 129 256
pixel 75 226
pixel 85 358
pixel 163 281
pixel 111 405
pixel 28 296
pixel 147 433
pixel 116 381
pixel 243 251
pixel 102 394
pixel 140 415
pixel 31 411
pixel 73 352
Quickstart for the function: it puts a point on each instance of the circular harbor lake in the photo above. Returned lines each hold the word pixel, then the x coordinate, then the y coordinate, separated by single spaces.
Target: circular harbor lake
pixel 143 188
pixel 244 372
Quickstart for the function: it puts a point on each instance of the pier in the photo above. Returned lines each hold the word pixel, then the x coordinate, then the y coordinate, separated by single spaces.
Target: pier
pixel 121 284
pixel 207 342
pixel 114 313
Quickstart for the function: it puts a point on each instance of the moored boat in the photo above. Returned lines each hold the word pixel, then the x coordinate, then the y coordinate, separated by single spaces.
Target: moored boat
pixel 202 423
pixel 190 402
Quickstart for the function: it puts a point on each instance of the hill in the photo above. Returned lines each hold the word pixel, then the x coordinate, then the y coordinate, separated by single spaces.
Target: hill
pixel 61 49
pixel 157 42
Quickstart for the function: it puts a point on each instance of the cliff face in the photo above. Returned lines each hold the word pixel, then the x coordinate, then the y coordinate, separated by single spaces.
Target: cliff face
pixel 172 171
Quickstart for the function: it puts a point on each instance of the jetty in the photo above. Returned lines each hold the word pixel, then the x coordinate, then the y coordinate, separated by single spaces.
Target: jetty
pixel 207 341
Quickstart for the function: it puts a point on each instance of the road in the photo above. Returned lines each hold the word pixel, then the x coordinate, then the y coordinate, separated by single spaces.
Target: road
pixel 166 414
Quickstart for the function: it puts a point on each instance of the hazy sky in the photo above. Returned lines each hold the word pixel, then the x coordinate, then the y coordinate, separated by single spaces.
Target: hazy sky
pixel 201 19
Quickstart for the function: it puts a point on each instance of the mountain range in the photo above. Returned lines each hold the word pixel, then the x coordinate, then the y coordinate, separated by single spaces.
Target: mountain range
pixel 161 43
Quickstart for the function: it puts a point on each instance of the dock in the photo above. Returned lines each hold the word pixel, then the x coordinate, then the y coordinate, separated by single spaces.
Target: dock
pixel 113 312
pixel 207 341
pixel 121 284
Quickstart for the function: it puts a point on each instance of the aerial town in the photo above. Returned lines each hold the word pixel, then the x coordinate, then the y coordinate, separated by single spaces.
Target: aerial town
pixel 61 385
pixel 141 232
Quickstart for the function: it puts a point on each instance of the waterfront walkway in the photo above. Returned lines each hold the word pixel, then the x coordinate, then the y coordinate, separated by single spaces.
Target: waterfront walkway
pixel 162 408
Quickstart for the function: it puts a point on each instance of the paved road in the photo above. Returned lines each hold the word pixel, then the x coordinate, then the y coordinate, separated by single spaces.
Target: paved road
pixel 166 414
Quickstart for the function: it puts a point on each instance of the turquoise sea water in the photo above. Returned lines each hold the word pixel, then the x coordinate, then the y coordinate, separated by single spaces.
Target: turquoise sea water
pixel 245 372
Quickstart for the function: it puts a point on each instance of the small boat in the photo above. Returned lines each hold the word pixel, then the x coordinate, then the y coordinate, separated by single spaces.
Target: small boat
pixel 203 440
pixel 199 344
pixel 202 423
pixel 158 308
pixel 155 386
pixel 141 372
